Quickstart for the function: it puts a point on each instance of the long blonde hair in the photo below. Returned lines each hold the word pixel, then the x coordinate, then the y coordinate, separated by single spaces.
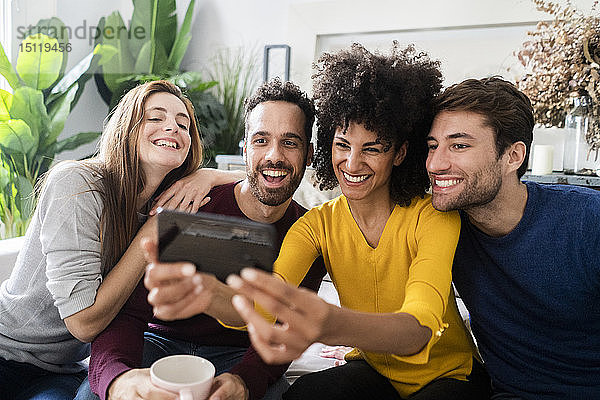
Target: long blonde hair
pixel 122 179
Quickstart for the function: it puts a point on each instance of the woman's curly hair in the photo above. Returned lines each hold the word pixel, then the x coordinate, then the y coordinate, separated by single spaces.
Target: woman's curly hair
pixel 391 95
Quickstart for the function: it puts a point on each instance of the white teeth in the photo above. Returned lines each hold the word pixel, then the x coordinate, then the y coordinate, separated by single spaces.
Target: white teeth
pixel 446 182
pixel 165 143
pixel 355 179
pixel 274 173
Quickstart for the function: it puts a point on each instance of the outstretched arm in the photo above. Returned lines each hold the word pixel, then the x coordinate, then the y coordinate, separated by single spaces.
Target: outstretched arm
pixel 304 318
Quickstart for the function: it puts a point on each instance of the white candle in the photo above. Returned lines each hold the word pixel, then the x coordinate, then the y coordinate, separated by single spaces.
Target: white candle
pixel 543 156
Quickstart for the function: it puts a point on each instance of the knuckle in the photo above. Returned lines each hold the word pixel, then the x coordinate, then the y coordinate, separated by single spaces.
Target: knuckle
pixel 288 291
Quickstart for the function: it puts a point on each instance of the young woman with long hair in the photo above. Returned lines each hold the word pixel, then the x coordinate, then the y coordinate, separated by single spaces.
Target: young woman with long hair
pixel 81 258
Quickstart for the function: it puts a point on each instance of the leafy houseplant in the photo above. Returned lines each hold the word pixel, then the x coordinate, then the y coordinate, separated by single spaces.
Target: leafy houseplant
pixel 152 48
pixel 34 115
pixel 235 72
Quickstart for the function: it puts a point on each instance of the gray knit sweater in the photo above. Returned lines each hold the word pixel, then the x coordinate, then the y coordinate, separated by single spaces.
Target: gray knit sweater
pixel 56 274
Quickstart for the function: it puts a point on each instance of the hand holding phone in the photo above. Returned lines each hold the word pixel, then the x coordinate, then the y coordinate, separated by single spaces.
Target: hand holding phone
pixel 216 244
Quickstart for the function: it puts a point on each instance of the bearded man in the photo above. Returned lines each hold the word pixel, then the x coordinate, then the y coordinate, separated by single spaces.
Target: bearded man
pixel 527 264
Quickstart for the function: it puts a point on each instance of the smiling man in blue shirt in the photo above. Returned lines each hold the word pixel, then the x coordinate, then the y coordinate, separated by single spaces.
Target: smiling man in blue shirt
pixel 527 263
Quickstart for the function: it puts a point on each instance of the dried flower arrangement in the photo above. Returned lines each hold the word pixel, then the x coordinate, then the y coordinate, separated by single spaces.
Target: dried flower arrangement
pixel 561 57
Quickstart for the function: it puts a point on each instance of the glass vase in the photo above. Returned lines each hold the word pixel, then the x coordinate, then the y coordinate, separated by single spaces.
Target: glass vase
pixel 582 143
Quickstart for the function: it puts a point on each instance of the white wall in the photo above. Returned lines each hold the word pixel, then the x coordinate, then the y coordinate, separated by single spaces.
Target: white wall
pixel 234 23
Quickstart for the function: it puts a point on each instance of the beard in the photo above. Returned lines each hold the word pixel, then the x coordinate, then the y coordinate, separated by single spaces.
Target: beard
pixel 274 196
pixel 480 188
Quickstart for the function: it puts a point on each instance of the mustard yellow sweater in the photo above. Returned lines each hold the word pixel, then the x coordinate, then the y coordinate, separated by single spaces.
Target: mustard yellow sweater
pixel 409 271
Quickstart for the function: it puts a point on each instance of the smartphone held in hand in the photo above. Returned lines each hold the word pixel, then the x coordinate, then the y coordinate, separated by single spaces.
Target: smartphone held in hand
pixel 216 244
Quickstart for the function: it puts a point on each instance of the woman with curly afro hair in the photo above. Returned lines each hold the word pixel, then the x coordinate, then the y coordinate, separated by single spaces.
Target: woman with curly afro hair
pixel 388 251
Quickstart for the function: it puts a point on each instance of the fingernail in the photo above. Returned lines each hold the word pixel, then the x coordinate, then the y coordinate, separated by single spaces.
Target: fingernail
pixel 251 329
pixel 198 289
pixel 152 294
pixel 149 266
pixel 197 280
pixel 237 301
pixel 234 281
pixel 188 270
pixel 249 274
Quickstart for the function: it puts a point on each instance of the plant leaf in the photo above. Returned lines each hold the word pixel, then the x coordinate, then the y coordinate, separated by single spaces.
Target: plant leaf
pixel 7 70
pixel 4 176
pixel 54 28
pixel 211 115
pixel 15 137
pixel 25 198
pixel 122 89
pixel 191 80
pixel 58 115
pixel 80 74
pixel 40 67
pixel 122 63
pixel 103 90
pixel 144 60
pixel 156 20
pixel 203 86
pixel 75 141
pixel 28 105
pixel 5 103
pixel 182 39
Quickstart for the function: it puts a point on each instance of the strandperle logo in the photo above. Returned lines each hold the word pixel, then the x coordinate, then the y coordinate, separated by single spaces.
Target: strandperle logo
pixel 83 31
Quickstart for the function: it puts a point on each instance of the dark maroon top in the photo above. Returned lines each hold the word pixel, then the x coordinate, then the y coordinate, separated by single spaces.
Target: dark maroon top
pixel 119 347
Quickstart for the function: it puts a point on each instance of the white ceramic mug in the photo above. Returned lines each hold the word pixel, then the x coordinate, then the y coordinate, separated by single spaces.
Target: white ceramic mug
pixel 189 376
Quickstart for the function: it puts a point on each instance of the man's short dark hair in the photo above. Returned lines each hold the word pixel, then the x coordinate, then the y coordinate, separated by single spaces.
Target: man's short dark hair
pixel 276 90
pixel 506 110
pixel 391 95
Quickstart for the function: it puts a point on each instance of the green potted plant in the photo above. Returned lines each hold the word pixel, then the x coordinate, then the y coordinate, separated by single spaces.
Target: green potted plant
pixel 235 72
pixel 34 115
pixel 152 48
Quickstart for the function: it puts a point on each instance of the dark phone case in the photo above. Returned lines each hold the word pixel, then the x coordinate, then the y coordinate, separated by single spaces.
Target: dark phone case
pixel 216 244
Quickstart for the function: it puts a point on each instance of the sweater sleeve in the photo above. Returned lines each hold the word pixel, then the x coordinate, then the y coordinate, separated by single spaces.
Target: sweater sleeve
pixel 120 346
pixel 300 248
pixel 69 215
pixel 430 274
